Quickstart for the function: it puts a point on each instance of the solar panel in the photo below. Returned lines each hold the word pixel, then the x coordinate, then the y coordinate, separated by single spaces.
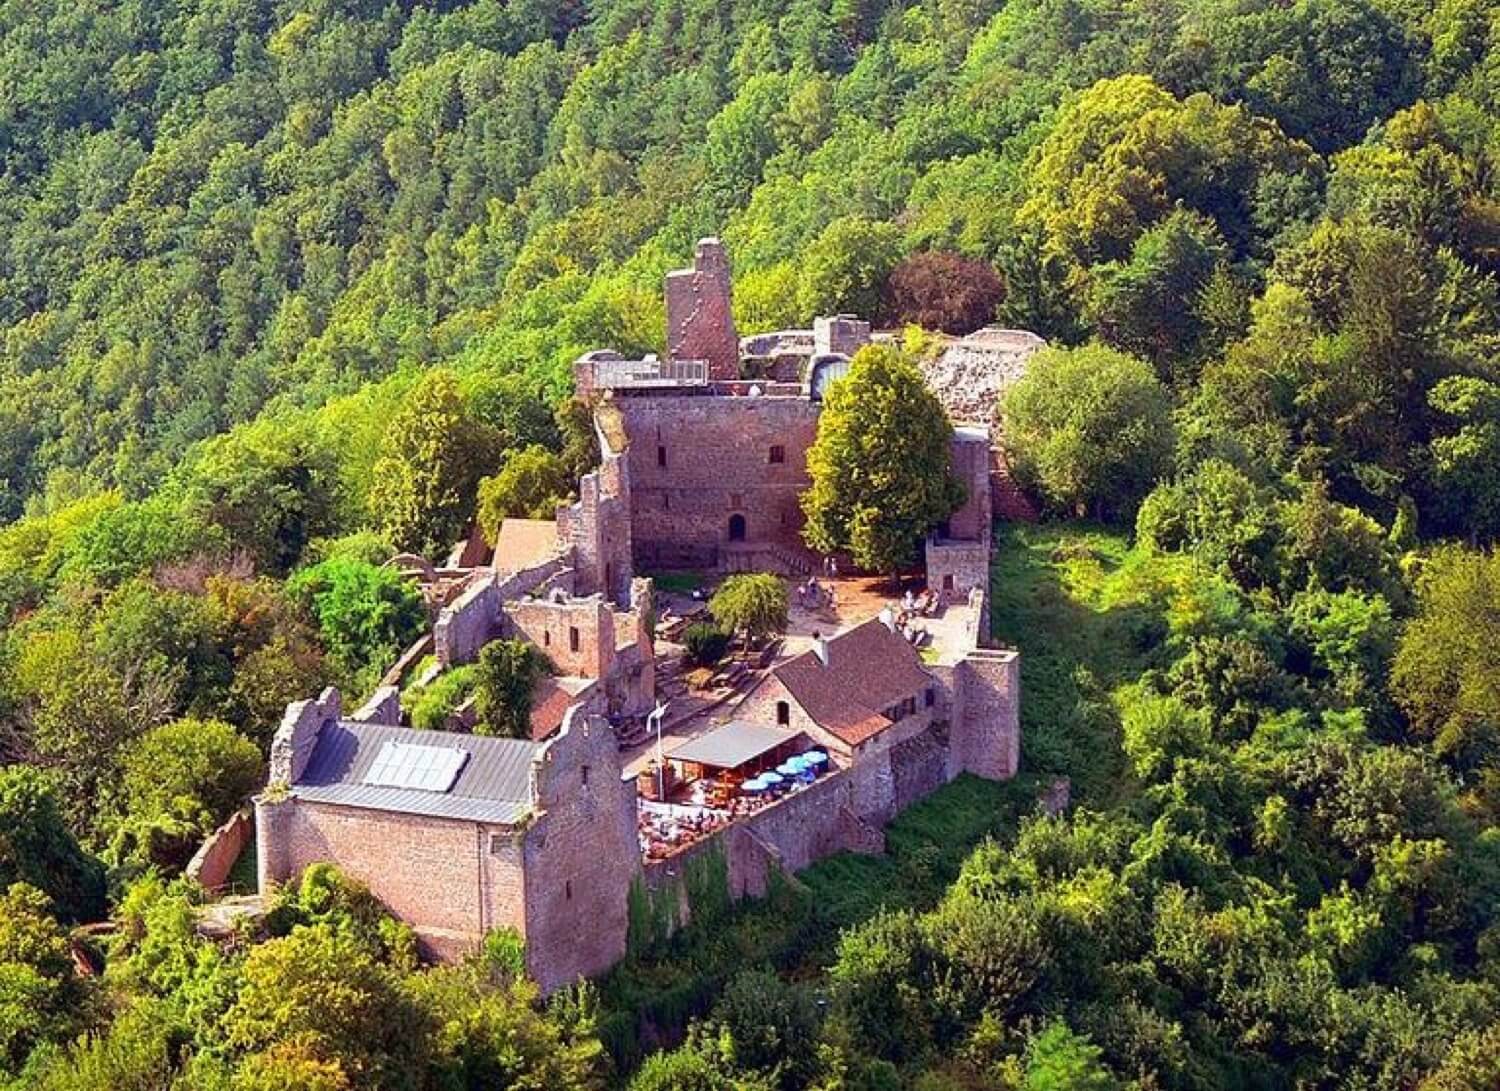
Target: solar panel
pixel 408 765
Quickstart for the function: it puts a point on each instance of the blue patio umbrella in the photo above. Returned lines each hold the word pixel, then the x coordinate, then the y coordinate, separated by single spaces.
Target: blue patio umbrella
pixel 815 757
pixel 772 779
pixel 753 785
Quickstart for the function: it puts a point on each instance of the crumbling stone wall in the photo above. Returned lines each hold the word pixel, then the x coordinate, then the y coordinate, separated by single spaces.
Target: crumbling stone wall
pixel 471 620
pixel 970 453
pixel 216 857
pixel 842 333
pixel 580 855
pixel 705 469
pixel 598 527
pixel 577 635
pixel 700 312
pixel 293 743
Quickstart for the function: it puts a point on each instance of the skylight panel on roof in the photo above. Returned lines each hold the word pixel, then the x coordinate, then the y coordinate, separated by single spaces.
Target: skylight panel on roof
pixel 407 765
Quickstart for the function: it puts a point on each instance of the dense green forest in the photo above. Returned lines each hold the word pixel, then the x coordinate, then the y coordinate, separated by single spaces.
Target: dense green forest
pixel 289 285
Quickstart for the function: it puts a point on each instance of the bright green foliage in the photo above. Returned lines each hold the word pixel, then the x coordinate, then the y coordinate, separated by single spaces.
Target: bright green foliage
pixel 1446 674
pixel 320 988
pixel 1057 1059
pixel 530 485
pixel 881 465
pixel 752 604
pixel 37 848
pixel 705 644
pixel 845 268
pixel 1089 429
pixel 505 677
pixel 1467 462
pixel 430 706
pixel 278 277
pixel 179 781
pixel 42 999
pixel 434 455
pixel 268 486
pixel 366 615
pixel 1149 305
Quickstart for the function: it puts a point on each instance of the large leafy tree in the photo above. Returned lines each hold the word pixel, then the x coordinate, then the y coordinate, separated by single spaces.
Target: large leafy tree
pixel 505 677
pixel 530 485
pixel 1088 429
pixel 435 453
pixel 366 614
pixel 1446 674
pixel 179 781
pixel 37 848
pixel 752 603
pixel 881 466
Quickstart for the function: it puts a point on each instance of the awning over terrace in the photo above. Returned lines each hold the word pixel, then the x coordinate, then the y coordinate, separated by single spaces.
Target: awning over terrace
pixel 734 744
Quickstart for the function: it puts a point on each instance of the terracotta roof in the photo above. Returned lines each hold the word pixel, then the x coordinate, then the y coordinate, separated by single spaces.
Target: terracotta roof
pixel 551 701
pixel 525 542
pixel 869 669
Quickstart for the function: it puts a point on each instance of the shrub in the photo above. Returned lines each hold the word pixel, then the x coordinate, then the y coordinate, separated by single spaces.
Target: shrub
pixel 431 705
pixel 706 643
pixel 942 291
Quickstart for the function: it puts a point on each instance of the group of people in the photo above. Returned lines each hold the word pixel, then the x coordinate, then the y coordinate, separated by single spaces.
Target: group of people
pixel 813 595
pixel 661 834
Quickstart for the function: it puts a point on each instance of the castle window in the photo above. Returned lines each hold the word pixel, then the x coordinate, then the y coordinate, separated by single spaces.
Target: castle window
pixel 778 454
pixel 568 890
pixel 661 456
pixel 573 639
pixel 783 713
pixel 583 773
pixel 930 697
pixel 948 582
pixel 546 638
pixel 497 844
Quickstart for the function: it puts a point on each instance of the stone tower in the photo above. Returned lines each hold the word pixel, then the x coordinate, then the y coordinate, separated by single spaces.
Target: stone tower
pixel 700 321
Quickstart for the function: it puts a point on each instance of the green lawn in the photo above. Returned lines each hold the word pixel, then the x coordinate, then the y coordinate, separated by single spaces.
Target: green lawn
pixel 678 583
pixel 1085 617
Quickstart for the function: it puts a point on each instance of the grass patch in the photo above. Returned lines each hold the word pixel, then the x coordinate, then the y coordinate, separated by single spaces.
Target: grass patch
pixel 678 583
pixel 1086 617
pixel 244 877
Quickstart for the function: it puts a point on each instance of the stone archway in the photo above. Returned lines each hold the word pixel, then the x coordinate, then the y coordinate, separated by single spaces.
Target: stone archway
pixel 736 527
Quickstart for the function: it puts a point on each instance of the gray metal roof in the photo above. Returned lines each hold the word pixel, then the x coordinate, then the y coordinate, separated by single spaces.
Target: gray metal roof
pixel 494 784
pixel 732 745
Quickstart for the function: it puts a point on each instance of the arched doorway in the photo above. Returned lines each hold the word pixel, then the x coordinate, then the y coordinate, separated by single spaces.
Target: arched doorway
pixel 736 527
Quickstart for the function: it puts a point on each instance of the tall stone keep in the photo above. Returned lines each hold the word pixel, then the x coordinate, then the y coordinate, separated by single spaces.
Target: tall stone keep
pixel 700 319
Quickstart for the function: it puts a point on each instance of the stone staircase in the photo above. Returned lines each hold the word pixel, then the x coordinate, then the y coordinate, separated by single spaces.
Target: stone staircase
pixel 765 557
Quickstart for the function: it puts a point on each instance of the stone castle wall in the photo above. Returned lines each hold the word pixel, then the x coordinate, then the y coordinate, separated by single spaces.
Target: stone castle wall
pixel 577 635
pixel 701 471
pixel 598 527
pixel 580 855
pixel 955 569
pixel 700 312
pixel 795 833
pixel 442 876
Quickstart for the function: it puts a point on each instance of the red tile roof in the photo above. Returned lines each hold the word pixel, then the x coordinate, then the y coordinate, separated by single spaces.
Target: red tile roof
pixel 869 669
